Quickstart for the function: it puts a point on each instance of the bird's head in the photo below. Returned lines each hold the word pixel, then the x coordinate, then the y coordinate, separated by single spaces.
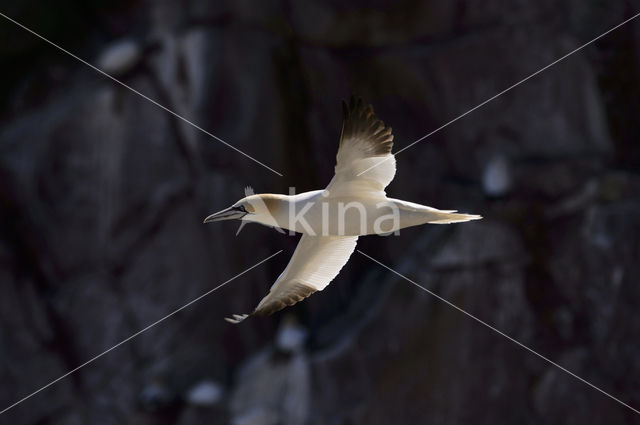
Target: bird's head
pixel 257 208
pixel 237 211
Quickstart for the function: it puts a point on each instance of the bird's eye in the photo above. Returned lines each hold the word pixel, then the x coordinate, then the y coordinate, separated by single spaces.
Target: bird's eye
pixel 240 208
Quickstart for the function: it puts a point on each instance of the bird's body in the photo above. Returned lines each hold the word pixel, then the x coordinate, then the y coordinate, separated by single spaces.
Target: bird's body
pixel 330 220
pixel 319 213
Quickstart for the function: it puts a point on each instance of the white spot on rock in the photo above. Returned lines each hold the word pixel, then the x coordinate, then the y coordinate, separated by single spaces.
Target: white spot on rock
pixel 119 57
pixel 291 336
pixel 205 393
pixel 496 179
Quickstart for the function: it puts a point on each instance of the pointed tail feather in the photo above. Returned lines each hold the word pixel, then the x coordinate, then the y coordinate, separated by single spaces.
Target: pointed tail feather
pixel 445 217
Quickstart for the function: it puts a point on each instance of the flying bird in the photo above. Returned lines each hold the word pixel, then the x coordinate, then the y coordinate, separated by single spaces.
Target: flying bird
pixel 331 220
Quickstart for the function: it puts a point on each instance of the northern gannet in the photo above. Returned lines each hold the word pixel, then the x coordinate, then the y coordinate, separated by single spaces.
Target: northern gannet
pixel 330 220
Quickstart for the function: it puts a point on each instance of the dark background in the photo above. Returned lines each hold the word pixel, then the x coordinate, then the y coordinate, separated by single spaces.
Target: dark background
pixel 102 196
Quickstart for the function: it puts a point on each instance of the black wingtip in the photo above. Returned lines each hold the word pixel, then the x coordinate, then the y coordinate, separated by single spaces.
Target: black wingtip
pixel 360 121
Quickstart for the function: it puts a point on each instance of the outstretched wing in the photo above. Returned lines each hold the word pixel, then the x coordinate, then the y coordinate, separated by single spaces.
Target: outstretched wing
pixel 364 160
pixel 316 261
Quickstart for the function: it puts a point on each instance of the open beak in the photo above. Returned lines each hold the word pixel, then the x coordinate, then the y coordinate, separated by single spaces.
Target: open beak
pixel 226 214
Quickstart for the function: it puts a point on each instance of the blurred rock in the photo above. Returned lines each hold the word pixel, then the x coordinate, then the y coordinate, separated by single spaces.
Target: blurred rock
pixel 102 196
pixel 156 395
pixel 256 416
pixel 273 387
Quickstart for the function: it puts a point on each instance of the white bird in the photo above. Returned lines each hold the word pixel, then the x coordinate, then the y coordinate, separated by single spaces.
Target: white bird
pixel 330 220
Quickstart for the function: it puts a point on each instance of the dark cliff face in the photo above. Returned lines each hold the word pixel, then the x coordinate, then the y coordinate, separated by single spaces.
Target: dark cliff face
pixel 102 196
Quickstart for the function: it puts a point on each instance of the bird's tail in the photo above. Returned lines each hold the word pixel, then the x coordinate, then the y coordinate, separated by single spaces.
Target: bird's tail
pixel 446 217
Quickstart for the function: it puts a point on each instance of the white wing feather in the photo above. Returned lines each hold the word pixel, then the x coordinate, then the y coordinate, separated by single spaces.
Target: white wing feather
pixel 365 147
pixel 316 261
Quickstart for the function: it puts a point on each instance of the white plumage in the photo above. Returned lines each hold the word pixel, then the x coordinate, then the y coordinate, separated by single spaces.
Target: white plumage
pixel 353 204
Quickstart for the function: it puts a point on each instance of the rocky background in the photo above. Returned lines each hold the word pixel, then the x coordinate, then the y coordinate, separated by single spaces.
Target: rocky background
pixel 102 196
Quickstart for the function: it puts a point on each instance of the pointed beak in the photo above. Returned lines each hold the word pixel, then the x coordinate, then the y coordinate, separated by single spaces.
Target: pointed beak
pixel 226 214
